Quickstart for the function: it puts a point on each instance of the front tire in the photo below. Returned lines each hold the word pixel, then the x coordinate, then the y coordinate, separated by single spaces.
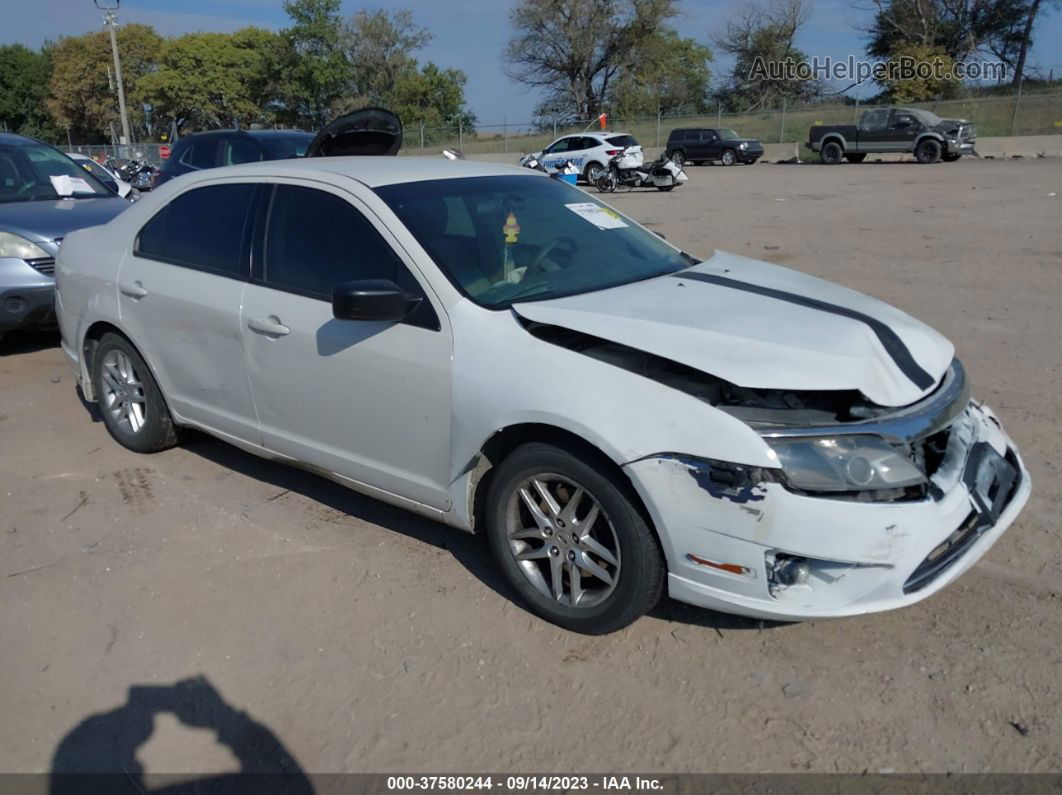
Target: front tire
pixel 571 542
pixel 832 153
pixel 130 401
pixel 928 151
pixel 728 158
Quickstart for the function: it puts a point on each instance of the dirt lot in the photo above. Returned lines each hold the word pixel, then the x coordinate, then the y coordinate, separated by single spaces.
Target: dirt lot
pixel 360 638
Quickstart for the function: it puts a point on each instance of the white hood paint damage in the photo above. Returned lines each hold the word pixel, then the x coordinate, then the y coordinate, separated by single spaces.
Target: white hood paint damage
pixel 763 341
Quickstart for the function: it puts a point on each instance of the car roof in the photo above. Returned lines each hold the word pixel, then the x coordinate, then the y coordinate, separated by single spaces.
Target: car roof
pixel 373 171
pixel 14 139
pixel 252 133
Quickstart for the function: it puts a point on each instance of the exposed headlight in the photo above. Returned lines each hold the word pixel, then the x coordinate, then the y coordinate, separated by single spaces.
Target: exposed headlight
pixel 743 145
pixel 15 246
pixel 844 463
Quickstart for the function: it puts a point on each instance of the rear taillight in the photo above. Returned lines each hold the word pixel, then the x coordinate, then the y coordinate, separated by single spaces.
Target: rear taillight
pixel 612 152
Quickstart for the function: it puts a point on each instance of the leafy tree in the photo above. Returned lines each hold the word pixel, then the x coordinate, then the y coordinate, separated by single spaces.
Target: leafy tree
pixel 575 49
pixel 959 28
pixel 760 37
pixel 904 89
pixel 23 89
pixel 432 96
pixel 212 79
pixel 671 77
pixel 378 46
pixel 80 96
pixel 314 74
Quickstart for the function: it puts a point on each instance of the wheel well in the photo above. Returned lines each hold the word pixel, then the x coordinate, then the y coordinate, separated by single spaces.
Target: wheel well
pixel 88 350
pixel 833 139
pixel 590 164
pixel 503 442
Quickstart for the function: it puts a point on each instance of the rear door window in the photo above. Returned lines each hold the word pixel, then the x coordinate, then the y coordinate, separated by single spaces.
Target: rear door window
pixel 240 150
pixel 874 120
pixel 200 154
pixel 206 228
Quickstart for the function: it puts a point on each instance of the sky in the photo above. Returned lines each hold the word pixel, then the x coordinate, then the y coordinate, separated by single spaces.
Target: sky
pixel 468 34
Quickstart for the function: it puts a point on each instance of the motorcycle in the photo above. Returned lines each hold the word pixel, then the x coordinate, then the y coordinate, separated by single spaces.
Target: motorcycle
pixel 532 162
pixel 622 170
pixel 137 173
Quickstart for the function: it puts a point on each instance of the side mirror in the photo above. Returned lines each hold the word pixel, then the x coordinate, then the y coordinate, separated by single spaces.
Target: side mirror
pixel 372 299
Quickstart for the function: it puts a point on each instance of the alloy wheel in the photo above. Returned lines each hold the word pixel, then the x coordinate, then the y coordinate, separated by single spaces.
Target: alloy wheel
pixel 562 540
pixel 123 392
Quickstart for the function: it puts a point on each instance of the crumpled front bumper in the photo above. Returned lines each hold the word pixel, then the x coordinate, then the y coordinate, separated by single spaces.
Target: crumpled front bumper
pixel 862 557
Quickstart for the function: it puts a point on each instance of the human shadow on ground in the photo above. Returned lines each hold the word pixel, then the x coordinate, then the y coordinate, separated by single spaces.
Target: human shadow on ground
pixel 99 754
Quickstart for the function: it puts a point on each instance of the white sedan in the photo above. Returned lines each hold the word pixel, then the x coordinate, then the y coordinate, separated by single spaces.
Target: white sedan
pixel 106 176
pixel 507 355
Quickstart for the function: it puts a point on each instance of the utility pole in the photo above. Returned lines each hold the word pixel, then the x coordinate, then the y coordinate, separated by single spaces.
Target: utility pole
pixel 110 19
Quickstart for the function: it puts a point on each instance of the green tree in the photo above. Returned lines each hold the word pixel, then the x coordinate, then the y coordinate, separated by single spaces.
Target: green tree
pixel 80 95
pixel 314 74
pixel 23 88
pixel 433 97
pixel 575 49
pixel 905 89
pixel 212 80
pixel 379 47
pixel 760 38
pixel 671 77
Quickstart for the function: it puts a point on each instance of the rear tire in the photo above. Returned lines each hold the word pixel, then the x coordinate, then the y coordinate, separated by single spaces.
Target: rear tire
pixel 928 151
pixel 600 531
pixel 832 153
pixel 664 188
pixel 130 401
pixel 856 157
pixel 593 171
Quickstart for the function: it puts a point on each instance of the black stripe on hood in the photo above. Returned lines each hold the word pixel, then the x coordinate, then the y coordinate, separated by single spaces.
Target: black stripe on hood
pixel 892 343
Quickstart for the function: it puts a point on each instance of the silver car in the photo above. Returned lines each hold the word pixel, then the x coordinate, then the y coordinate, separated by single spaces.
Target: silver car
pixel 501 352
pixel 43 196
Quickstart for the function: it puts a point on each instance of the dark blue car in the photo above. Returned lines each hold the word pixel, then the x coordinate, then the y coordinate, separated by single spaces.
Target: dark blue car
pixel 44 195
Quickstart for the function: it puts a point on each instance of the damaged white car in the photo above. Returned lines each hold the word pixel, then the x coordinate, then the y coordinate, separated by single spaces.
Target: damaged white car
pixel 499 351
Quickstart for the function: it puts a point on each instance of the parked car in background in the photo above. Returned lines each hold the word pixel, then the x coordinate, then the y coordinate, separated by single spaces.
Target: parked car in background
pixel 589 152
pixel 106 176
pixel 891 130
pixel 231 147
pixel 43 196
pixel 700 144
pixel 502 352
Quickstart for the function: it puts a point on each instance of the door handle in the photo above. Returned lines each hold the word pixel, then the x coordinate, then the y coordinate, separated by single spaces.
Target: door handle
pixel 134 290
pixel 270 326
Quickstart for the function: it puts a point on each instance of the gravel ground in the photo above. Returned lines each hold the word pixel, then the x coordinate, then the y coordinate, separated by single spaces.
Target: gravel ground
pixel 298 615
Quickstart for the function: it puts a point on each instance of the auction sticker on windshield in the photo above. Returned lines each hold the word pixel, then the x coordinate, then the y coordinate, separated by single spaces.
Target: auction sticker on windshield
pixel 601 217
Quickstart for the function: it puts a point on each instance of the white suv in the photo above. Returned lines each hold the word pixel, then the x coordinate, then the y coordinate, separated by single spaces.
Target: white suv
pixel 590 152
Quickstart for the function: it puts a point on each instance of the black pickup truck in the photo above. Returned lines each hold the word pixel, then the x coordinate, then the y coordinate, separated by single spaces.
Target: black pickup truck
pixel 891 130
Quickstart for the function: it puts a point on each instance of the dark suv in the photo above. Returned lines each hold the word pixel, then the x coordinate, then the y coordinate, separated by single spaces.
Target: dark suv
pixel 700 144
pixel 230 148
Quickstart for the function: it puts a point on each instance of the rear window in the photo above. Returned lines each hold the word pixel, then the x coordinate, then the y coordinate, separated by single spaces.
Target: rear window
pixel 205 229
pixel 622 140
pixel 283 147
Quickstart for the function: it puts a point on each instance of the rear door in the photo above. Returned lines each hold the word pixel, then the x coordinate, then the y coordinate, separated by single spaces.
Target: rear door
pixel 872 132
pixel 179 294
pixel 367 400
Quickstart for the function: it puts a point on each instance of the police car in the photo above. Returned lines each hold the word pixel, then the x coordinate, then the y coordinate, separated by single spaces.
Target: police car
pixel 588 151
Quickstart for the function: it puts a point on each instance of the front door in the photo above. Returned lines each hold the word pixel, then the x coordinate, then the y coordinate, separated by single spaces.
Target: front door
pixel 179 295
pixel 367 400
pixel 902 131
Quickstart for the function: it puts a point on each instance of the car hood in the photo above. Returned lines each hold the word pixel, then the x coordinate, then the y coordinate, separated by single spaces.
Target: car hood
pixel 762 326
pixel 44 221
pixel 752 142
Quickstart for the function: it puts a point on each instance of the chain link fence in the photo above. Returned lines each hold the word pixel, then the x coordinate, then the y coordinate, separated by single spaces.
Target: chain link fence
pixel 1031 114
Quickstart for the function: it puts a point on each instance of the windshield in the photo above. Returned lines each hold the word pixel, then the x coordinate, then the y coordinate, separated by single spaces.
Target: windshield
pixel 728 135
pixel 282 147
pixel 501 240
pixel 35 172
pixel 98 171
